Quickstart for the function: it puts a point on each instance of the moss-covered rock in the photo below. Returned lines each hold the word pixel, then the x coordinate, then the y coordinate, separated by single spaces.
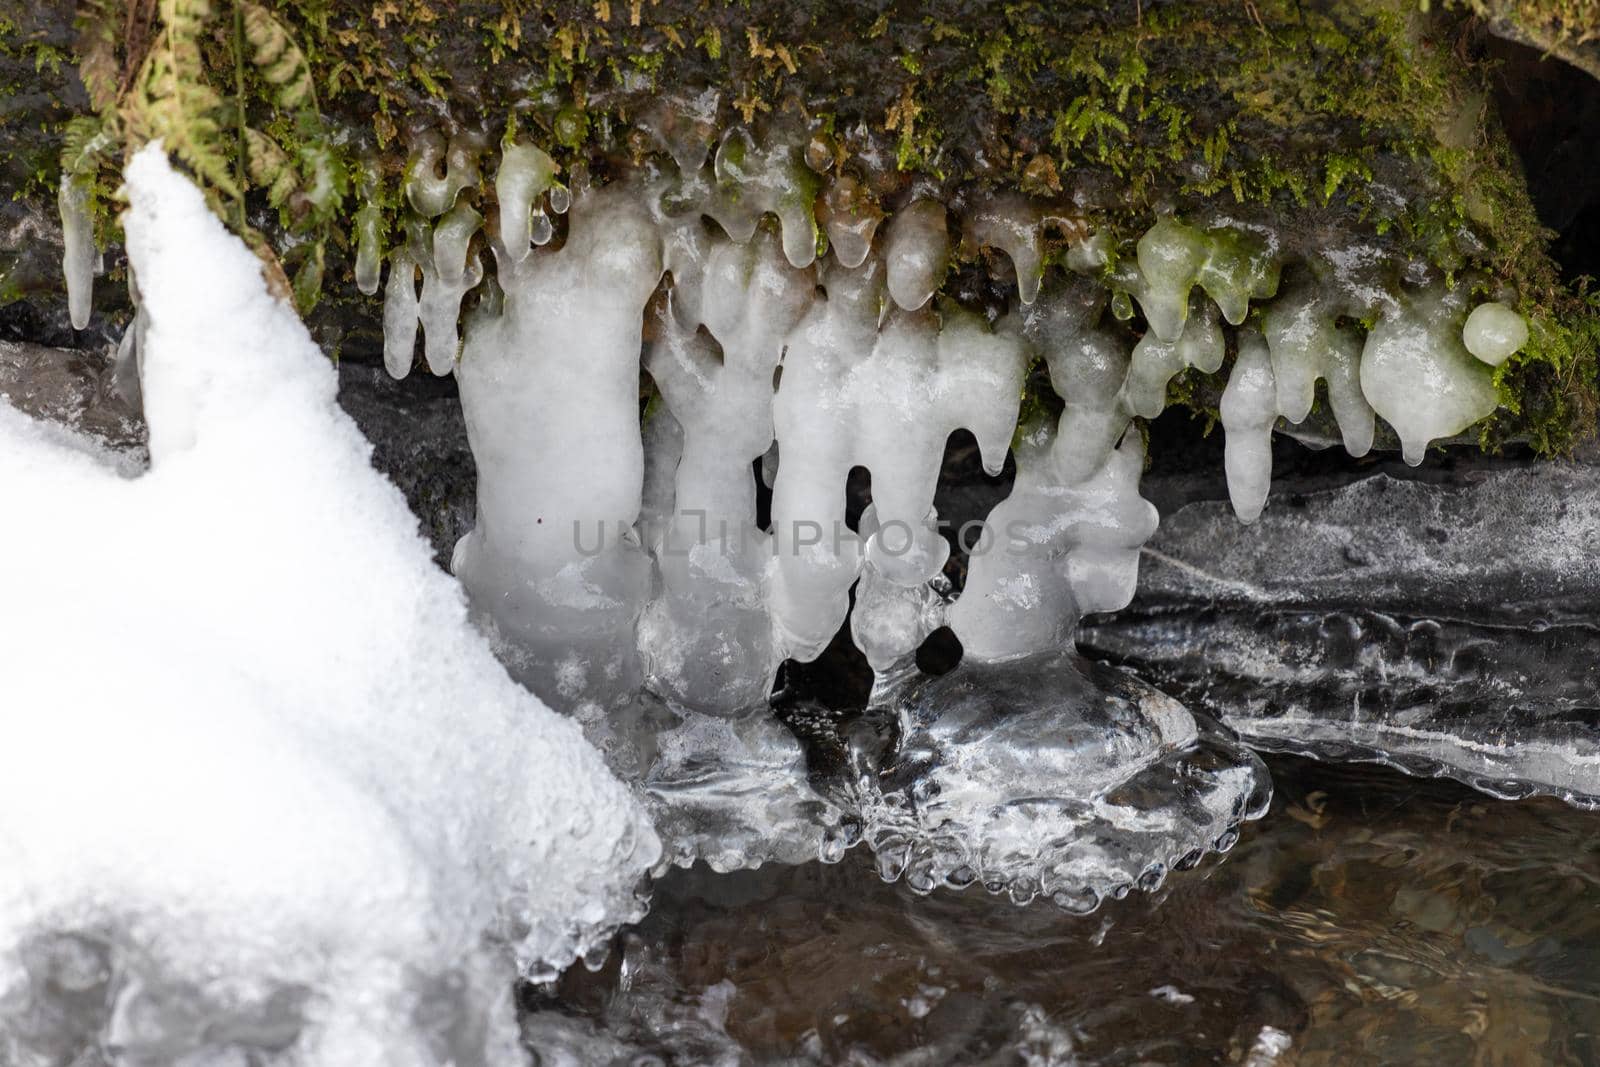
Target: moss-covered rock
pixel 1358 124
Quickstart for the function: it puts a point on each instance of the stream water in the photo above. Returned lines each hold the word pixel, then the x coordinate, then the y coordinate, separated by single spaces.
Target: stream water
pixel 1371 917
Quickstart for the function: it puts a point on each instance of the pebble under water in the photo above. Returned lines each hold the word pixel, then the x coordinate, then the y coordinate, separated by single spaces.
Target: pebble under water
pixel 1414 920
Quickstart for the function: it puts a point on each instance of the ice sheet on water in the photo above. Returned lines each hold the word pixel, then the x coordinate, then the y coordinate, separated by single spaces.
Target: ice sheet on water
pixel 1512 712
pixel 730 789
pixel 1389 620
pixel 1049 775
pixel 265 796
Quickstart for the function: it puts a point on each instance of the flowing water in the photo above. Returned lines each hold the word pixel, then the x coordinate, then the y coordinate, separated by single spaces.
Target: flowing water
pixel 1370 917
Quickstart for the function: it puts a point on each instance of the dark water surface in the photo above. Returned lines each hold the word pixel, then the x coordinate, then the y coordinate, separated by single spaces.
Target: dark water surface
pixel 1370 918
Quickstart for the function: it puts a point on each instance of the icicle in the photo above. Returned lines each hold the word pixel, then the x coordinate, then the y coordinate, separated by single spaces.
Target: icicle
pixel 524 174
pixel 1306 345
pixel 369 247
pixel 1418 375
pixel 1230 266
pixel 451 236
pixel 706 639
pixel 440 306
pixel 1155 362
pixel 1249 408
pixel 368 230
pixel 1087 369
pixel 917 252
pixel 1053 551
pixel 1169 255
pixel 887 401
pixel 1494 333
pixel 752 180
pixel 400 314
pixel 683 126
pixel 429 193
pixel 1237 268
pixel 818 557
pixel 1014 224
pixel 80 260
pixel 550 393
pixel 925 379
pixel 850 217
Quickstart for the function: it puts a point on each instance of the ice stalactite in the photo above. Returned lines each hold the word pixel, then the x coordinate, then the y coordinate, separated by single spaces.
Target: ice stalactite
pixel 550 392
pixel 799 320
pixel 850 218
pixel 1231 266
pixel 526 172
pixel 1416 351
pixel 1015 225
pixel 707 639
pixel 1249 408
pixel 928 377
pixel 1026 768
pixel 1306 344
pixel 1154 362
pixel 917 250
pixel 368 224
pixel 80 259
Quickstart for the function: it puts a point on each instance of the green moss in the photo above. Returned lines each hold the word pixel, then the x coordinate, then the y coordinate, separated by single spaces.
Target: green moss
pixel 1310 113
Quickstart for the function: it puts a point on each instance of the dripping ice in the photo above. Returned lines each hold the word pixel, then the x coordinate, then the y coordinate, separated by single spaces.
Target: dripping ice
pixel 682 608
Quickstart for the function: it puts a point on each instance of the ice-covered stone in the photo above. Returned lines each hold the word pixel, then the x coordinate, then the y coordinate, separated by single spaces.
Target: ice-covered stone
pixel 1385 619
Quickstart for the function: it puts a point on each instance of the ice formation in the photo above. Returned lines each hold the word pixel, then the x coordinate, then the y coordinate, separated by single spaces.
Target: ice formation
pixel 1494 333
pixel 1385 620
pixel 784 311
pixel 786 319
pixel 265 794
pixel 80 259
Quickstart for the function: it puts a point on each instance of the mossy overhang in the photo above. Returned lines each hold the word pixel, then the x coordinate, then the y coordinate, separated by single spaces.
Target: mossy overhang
pixel 1370 119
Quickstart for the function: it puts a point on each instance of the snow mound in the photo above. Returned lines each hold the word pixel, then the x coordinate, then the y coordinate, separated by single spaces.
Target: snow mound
pixel 265 795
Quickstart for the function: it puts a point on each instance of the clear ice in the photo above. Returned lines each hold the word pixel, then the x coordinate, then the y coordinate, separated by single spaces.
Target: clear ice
pixel 788 322
pixel 1387 620
pixel 265 793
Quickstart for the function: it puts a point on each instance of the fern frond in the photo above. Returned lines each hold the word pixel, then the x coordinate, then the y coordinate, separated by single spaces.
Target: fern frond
pixel 278 58
pixel 98 68
pixel 86 142
pixel 172 100
pixel 270 168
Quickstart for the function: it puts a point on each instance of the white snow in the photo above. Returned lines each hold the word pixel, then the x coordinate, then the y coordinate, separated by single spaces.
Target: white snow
pixel 250 748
